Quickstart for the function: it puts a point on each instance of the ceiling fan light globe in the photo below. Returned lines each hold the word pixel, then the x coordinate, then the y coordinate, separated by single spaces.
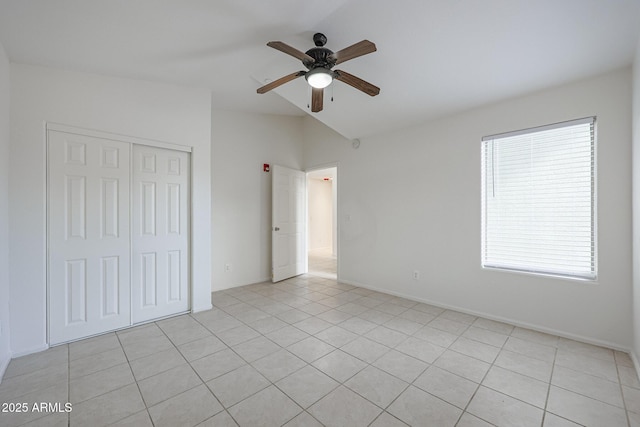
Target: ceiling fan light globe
pixel 319 78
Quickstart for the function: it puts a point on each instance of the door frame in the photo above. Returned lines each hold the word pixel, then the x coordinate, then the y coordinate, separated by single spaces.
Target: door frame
pixel 52 126
pixel 336 224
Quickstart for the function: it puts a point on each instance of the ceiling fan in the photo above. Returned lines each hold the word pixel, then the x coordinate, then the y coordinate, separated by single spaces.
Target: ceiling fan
pixel 320 61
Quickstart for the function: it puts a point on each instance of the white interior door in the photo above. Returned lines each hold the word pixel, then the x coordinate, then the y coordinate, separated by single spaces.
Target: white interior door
pixel 160 233
pixel 289 243
pixel 88 225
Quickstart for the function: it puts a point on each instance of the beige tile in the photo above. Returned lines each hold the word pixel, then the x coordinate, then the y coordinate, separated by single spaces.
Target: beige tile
pixel 303 420
pixel 525 365
pixel 589 365
pixel 365 349
pixel 468 420
pixel 623 359
pixel 339 365
pixel 156 363
pixel 214 365
pixel 222 419
pixel 485 336
pixel 96 362
pixel 631 399
pixel 54 420
pixel 183 329
pixel 198 349
pixel 343 407
pixel 386 336
pixel 403 325
pixel 420 349
pixel 34 362
pixel 307 386
pixel 417 316
pixel 336 336
pixel 286 336
pixel 588 385
pixel 551 420
pixel 237 385
pixel 628 376
pixel 448 325
pixel 108 408
pixel 101 382
pixel 167 384
pixel 269 324
pixel 334 316
pixel 535 336
pixel 55 393
pixel 458 317
pixel 256 348
pixel 492 325
pixel 375 316
pixel 269 407
pixel 145 345
pixel 436 336
pixel 584 410
pixel 237 335
pixel 94 345
pixel 186 409
pixel 486 353
pixel 447 386
pixel 585 349
pixel 405 367
pixel 310 349
pixel 278 365
pixel 141 419
pixel 418 408
pixel 516 385
pixel 357 325
pixel 502 410
pixel 376 386
pixel 465 366
pixel 21 385
pixel 387 420
pixel 531 349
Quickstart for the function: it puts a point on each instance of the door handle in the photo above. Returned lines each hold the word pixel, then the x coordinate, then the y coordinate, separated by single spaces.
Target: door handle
pixel 277 229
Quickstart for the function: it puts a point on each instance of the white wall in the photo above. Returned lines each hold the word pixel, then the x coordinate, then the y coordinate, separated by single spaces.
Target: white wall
pixel 320 218
pixel 130 107
pixel 636 209
pixel 241 213
pixel 5 90
pixel 410 200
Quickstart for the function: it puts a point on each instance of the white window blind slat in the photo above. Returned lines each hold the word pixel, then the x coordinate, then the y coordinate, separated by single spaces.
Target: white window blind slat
pixel 538 200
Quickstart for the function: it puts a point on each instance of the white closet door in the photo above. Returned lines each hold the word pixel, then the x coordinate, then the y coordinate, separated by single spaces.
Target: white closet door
pixel 160 233
pixel 89 251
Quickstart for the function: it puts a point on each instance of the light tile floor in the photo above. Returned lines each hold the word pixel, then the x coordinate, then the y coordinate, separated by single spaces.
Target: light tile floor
pixel 322 263
pixel 310 351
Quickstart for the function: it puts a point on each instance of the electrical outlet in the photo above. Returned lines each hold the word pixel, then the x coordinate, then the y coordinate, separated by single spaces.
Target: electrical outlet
pixel 416 275
pixel 227 267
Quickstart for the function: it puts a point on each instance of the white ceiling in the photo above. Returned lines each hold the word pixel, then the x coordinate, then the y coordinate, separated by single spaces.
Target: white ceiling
pixel 434 57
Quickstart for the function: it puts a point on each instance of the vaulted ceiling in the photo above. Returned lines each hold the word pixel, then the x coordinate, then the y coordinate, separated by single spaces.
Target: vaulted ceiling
pixel 434 57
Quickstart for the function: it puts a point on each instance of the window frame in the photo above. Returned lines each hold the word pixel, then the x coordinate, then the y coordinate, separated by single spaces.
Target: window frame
pixel 541 270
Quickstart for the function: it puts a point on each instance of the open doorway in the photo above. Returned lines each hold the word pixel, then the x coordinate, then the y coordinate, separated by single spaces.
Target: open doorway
pixel 322 241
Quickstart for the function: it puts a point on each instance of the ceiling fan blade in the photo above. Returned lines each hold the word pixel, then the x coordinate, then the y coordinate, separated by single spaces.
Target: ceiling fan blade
pixel 353 51
pixel 356 82
pixel 283 47
pixel 282 80
pixel 317 96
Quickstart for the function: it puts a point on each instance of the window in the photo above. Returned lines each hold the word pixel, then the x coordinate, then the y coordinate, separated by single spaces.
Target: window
pixel 538 200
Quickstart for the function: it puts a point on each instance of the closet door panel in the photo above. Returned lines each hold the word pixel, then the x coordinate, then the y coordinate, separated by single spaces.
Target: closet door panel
pixel 88 235
pixel 160 233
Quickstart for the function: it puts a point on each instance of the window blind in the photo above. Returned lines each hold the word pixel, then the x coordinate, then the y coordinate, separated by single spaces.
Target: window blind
pixel 538 200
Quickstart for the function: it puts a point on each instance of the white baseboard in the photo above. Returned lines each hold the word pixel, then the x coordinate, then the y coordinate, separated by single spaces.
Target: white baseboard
pixel 203 308
pixel 32 350
pixel 489 316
